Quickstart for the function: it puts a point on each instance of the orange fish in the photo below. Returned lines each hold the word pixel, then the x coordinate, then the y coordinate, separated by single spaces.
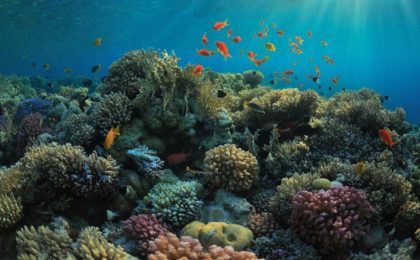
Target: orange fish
pixel 359 168
pixel 220 25
pixel 229 33
pixel 251 55
pixel 298 51
pixel 276 73
pixel 110 137
pixel 260 34
pixel 328 59
pixel 205 52
pixel 386 137
pixel 204 39
pixel 97 42
pixel 258 62
pixel 237 39
pixel 309 34
pixel 300 85
pixel 335 80
pixel 287 72
pixel 285 80
pixel 280 32
pixel 299 40
pixel 318 71
pixel 177 158
pixel 324 43
pixel 197 70
pixel 223 49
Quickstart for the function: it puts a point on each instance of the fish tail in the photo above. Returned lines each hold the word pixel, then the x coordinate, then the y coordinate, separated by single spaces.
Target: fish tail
pixel 117 131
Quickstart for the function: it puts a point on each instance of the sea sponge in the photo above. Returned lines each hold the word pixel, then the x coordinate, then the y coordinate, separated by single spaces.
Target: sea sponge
pixel 231 168
pixel 10 210
pixel 219 233
pixel 263 224
pixel 68 167
pixel 253 77
pixel 78 130
pixel 92 245
pixel 176 203
pixel 331 220
pixel 43 243
pixel 144 228
pixel 113 110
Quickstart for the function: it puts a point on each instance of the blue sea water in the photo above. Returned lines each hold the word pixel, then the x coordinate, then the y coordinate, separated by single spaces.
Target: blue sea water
pixel 374 42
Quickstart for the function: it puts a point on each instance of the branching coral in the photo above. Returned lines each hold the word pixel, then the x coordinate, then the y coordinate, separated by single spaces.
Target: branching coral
pixel 263 224
pixel 176 203
pixel 10 178
pixel 10 210
pixel 331 220
pixel 231 168
pixel 78 131
pixel 67 167
pixel 112 110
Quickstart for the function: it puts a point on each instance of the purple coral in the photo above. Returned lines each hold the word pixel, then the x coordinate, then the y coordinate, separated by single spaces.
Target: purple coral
pixel 30 127
pixel 31 106
pixel 331 220
pixel 144 228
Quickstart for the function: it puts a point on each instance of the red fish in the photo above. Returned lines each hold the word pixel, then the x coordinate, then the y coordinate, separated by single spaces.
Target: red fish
pixel 276 73
pixel 197 70
pixel 260 34
pixel 229 33
pixel 287 72
pixel 258 62
pixel 251 55
pixel 335 80
pixel 280 32
pixel 205 52
pixel 204 39
pixel 223 49
pixel 220 25
pixel 309 34
pixel 177 158
pixel 386 137
pixel 237 39
pixel 285 80
pixel 299 40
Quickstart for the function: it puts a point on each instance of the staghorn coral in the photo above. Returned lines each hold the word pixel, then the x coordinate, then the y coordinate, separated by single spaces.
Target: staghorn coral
pixel 92 245
pixel 263 224
pixel 253 78
pixel 144 228
pixel 113 110
pixel 231 168
pixel 176 203
pixel 331 220
pixel 77 130
pixel 68 167
pixel 10 210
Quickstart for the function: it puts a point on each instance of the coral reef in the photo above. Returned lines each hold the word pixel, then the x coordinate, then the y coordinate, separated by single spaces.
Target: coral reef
pixel 146 159
pixel 331 220
pixel 30 128
pixel 231 168
pixel 263 224
pixel 10 211
pixel 77 130
pixel 253 78
pixel 261 200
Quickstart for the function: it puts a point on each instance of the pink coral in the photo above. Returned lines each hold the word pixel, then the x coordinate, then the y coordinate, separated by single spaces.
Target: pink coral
pixel 331 220
pixel 144 228
pixel 30 127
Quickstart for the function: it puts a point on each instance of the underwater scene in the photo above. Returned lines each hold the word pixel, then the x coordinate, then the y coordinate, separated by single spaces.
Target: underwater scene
pixel 243 130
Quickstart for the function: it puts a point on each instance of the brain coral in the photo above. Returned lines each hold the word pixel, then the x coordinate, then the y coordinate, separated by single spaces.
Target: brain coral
pixel 176 203
pixel 331 220
pixel 68 167
pixel 231 168
pixel 112 110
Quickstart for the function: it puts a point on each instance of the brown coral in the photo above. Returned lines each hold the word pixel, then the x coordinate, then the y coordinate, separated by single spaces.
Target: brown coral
pixel 231 168
pixel 263 224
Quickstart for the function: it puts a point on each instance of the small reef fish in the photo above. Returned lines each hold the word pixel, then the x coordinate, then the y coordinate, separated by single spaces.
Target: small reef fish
pixel 386 137
pixel 197 70
pixel 261 22
pixel 46 66
pixel 193 171
pixel 111 215
pixel 273 25
pixel 275 73
pixel 309 34
pixel 270 46
pixel 318 71
pixel 177 158
pixel 285 80
pixel 220 25
pixel 95 68
pixel 324 43
pixel 87 82
pixel 68 70
pixel 299 40
pixel 359 168
pixel 257 62
pixel 223 49
pixel 220 93
pixel 229 33
pixel 237 39
pixel 265 59
pixel 97 42
pixel 205 52
pixel 241 52
pixel 252 106
pixel 251 55
pixel 280 33
pixel 204 39
pixel 328 59
pixel 287 72
pixel 335 80
pixel 300 85
pixel 111 137
pixel 384 98
pixel 260 34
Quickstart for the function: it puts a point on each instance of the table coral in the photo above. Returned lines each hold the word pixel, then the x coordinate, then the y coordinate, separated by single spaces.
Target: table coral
pixel 331 220
pixel 231 168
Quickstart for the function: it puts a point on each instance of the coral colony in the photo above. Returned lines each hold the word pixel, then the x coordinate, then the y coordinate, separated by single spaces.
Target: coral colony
pixel 165 162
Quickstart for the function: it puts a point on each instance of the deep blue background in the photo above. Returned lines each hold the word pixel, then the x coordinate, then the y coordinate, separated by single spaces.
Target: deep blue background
pixel 374 42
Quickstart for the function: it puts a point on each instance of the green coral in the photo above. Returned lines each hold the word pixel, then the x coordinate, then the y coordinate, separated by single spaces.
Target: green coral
pixel 10 211
pixel 177 203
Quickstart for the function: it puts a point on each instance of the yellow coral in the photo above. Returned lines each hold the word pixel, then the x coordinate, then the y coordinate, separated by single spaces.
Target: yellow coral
pixel 10 210
pixel 219 233
pixel 231 168
pixel 10 178
pixel 92 245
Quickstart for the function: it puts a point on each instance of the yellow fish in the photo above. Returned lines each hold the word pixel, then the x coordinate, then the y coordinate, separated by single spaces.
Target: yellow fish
pixel 359 168
pixel 265 59
pixel 270 47
pixel 68 70
pixel 97 42
pixel 46 66
pixel 110 137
